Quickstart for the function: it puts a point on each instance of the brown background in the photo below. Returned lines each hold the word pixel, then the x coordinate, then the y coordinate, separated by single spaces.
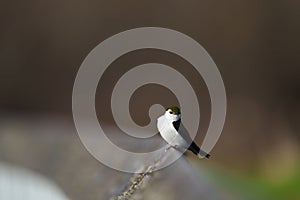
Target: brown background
pixel 255 45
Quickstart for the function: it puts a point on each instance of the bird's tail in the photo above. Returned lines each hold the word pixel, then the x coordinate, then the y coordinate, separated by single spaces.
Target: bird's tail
pixel 203 154
pixel 197 151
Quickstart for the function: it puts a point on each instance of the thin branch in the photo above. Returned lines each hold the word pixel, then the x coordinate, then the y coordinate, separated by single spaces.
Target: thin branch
pixel 139 180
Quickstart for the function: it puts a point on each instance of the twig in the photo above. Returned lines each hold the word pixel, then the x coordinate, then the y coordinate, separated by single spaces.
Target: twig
pixel 137 181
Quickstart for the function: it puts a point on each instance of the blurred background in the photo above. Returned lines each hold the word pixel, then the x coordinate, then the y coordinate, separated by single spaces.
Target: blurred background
pixel 255 45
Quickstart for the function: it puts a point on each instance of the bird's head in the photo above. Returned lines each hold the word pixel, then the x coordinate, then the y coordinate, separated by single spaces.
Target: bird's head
pixel 173 113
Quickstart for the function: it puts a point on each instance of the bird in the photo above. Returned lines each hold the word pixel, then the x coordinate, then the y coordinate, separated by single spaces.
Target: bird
pixel 175 134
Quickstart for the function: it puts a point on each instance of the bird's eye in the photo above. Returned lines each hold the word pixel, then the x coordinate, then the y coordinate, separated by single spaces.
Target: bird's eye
pixel 170 112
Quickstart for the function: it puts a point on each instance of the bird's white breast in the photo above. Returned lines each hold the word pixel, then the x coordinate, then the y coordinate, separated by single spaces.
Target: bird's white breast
pixel 169 133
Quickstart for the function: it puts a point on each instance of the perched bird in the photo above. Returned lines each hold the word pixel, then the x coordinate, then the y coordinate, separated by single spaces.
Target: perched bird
pixel 175 134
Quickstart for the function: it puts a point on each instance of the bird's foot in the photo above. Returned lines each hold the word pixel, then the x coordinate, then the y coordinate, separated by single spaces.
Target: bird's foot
pixel 169 147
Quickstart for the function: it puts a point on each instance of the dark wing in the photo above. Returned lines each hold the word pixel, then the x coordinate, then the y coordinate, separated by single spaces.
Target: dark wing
pixel 192 145
pixel 183 132
pixel 177 124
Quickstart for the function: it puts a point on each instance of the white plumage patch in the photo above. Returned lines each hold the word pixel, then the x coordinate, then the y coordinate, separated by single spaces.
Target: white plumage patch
pixel 169 133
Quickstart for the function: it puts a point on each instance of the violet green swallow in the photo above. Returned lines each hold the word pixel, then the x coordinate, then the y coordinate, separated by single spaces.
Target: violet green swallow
pixel 174 133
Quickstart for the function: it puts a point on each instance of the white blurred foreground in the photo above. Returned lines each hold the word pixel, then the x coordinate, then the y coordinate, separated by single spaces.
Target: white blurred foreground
pixel 17 183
